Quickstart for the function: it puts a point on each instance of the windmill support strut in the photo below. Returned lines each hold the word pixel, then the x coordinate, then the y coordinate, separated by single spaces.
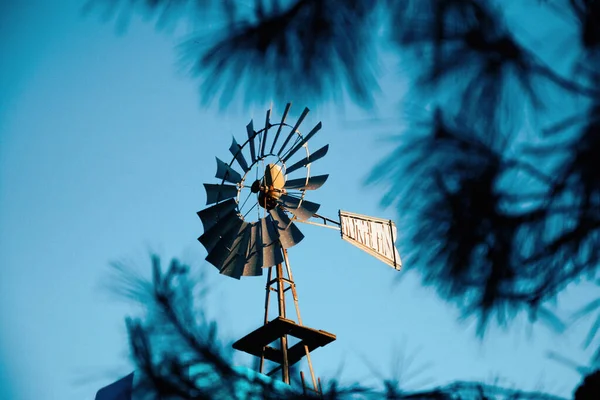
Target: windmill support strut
pixel 285 370
pixel 295 294
pixel 258 342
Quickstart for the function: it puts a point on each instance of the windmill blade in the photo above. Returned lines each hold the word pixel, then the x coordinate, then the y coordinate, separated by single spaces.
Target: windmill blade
pixel 288 232
pixel 216 193
pixel 301 143
pixel 265 132
pixel 253 266
pixel 314 182
pixel 224 171
pixel 285 113
pixel 222 249
pixel 233 265
pixel 216 256
pixel 236 150
pixel 302 209
pixel 309 159
pixel 211 237
pixel 294 129
pixel 251 136
pixel 214 214
pixel 271 249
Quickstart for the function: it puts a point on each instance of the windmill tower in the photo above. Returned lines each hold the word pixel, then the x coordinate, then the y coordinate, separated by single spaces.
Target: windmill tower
pixel 249 225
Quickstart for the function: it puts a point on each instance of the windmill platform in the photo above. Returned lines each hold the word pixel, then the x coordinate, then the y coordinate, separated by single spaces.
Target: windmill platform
pixel 257 342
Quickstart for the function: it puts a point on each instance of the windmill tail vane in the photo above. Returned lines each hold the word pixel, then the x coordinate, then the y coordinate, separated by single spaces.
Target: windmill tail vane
pixel 250 222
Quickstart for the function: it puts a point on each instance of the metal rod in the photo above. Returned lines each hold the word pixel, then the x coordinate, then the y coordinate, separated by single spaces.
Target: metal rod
pixel 292 285
pixel 337 228
pixel 285 370
pixel 266 319
pixel 295 295
pixel 327 219
pixel 268 287
pixel 393 247
pixel 303 383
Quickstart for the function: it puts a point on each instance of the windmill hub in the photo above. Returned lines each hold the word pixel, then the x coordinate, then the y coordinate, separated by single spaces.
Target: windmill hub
pixel 270 187
pixel 268 196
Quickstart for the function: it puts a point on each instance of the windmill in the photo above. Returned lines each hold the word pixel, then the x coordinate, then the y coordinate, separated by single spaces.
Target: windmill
pixel 249 225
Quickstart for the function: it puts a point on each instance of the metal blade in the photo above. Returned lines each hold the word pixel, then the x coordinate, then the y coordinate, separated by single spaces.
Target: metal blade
pixel 265 132
pixel 314 182
pixel 304 140
pixel 272 254
pixel 307 160
pixel 236 150
pixel 211 237
pixel 216 193
pixel 221 250
pixel 302 209
pixel 224 171
pixel 253 265
pixel 294 129
pixel 285 113
pixel 251 136
pixel 233 265
pixel 289 234
pixel 214 214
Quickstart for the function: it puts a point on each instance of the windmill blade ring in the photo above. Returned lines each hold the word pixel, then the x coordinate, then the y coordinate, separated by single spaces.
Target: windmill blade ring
pixel 236 245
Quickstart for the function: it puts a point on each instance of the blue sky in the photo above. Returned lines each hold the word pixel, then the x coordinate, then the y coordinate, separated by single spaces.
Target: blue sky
pixel 103 151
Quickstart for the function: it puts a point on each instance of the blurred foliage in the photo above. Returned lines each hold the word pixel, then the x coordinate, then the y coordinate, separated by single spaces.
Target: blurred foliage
pixel 268 50
pixel 179 355
pixel 589 387
pixel 499 206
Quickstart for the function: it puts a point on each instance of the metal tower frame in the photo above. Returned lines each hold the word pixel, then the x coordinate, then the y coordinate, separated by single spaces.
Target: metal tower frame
pixel 258 342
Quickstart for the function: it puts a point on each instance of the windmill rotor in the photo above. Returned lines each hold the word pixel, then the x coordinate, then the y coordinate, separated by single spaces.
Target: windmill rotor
pixel 256 181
